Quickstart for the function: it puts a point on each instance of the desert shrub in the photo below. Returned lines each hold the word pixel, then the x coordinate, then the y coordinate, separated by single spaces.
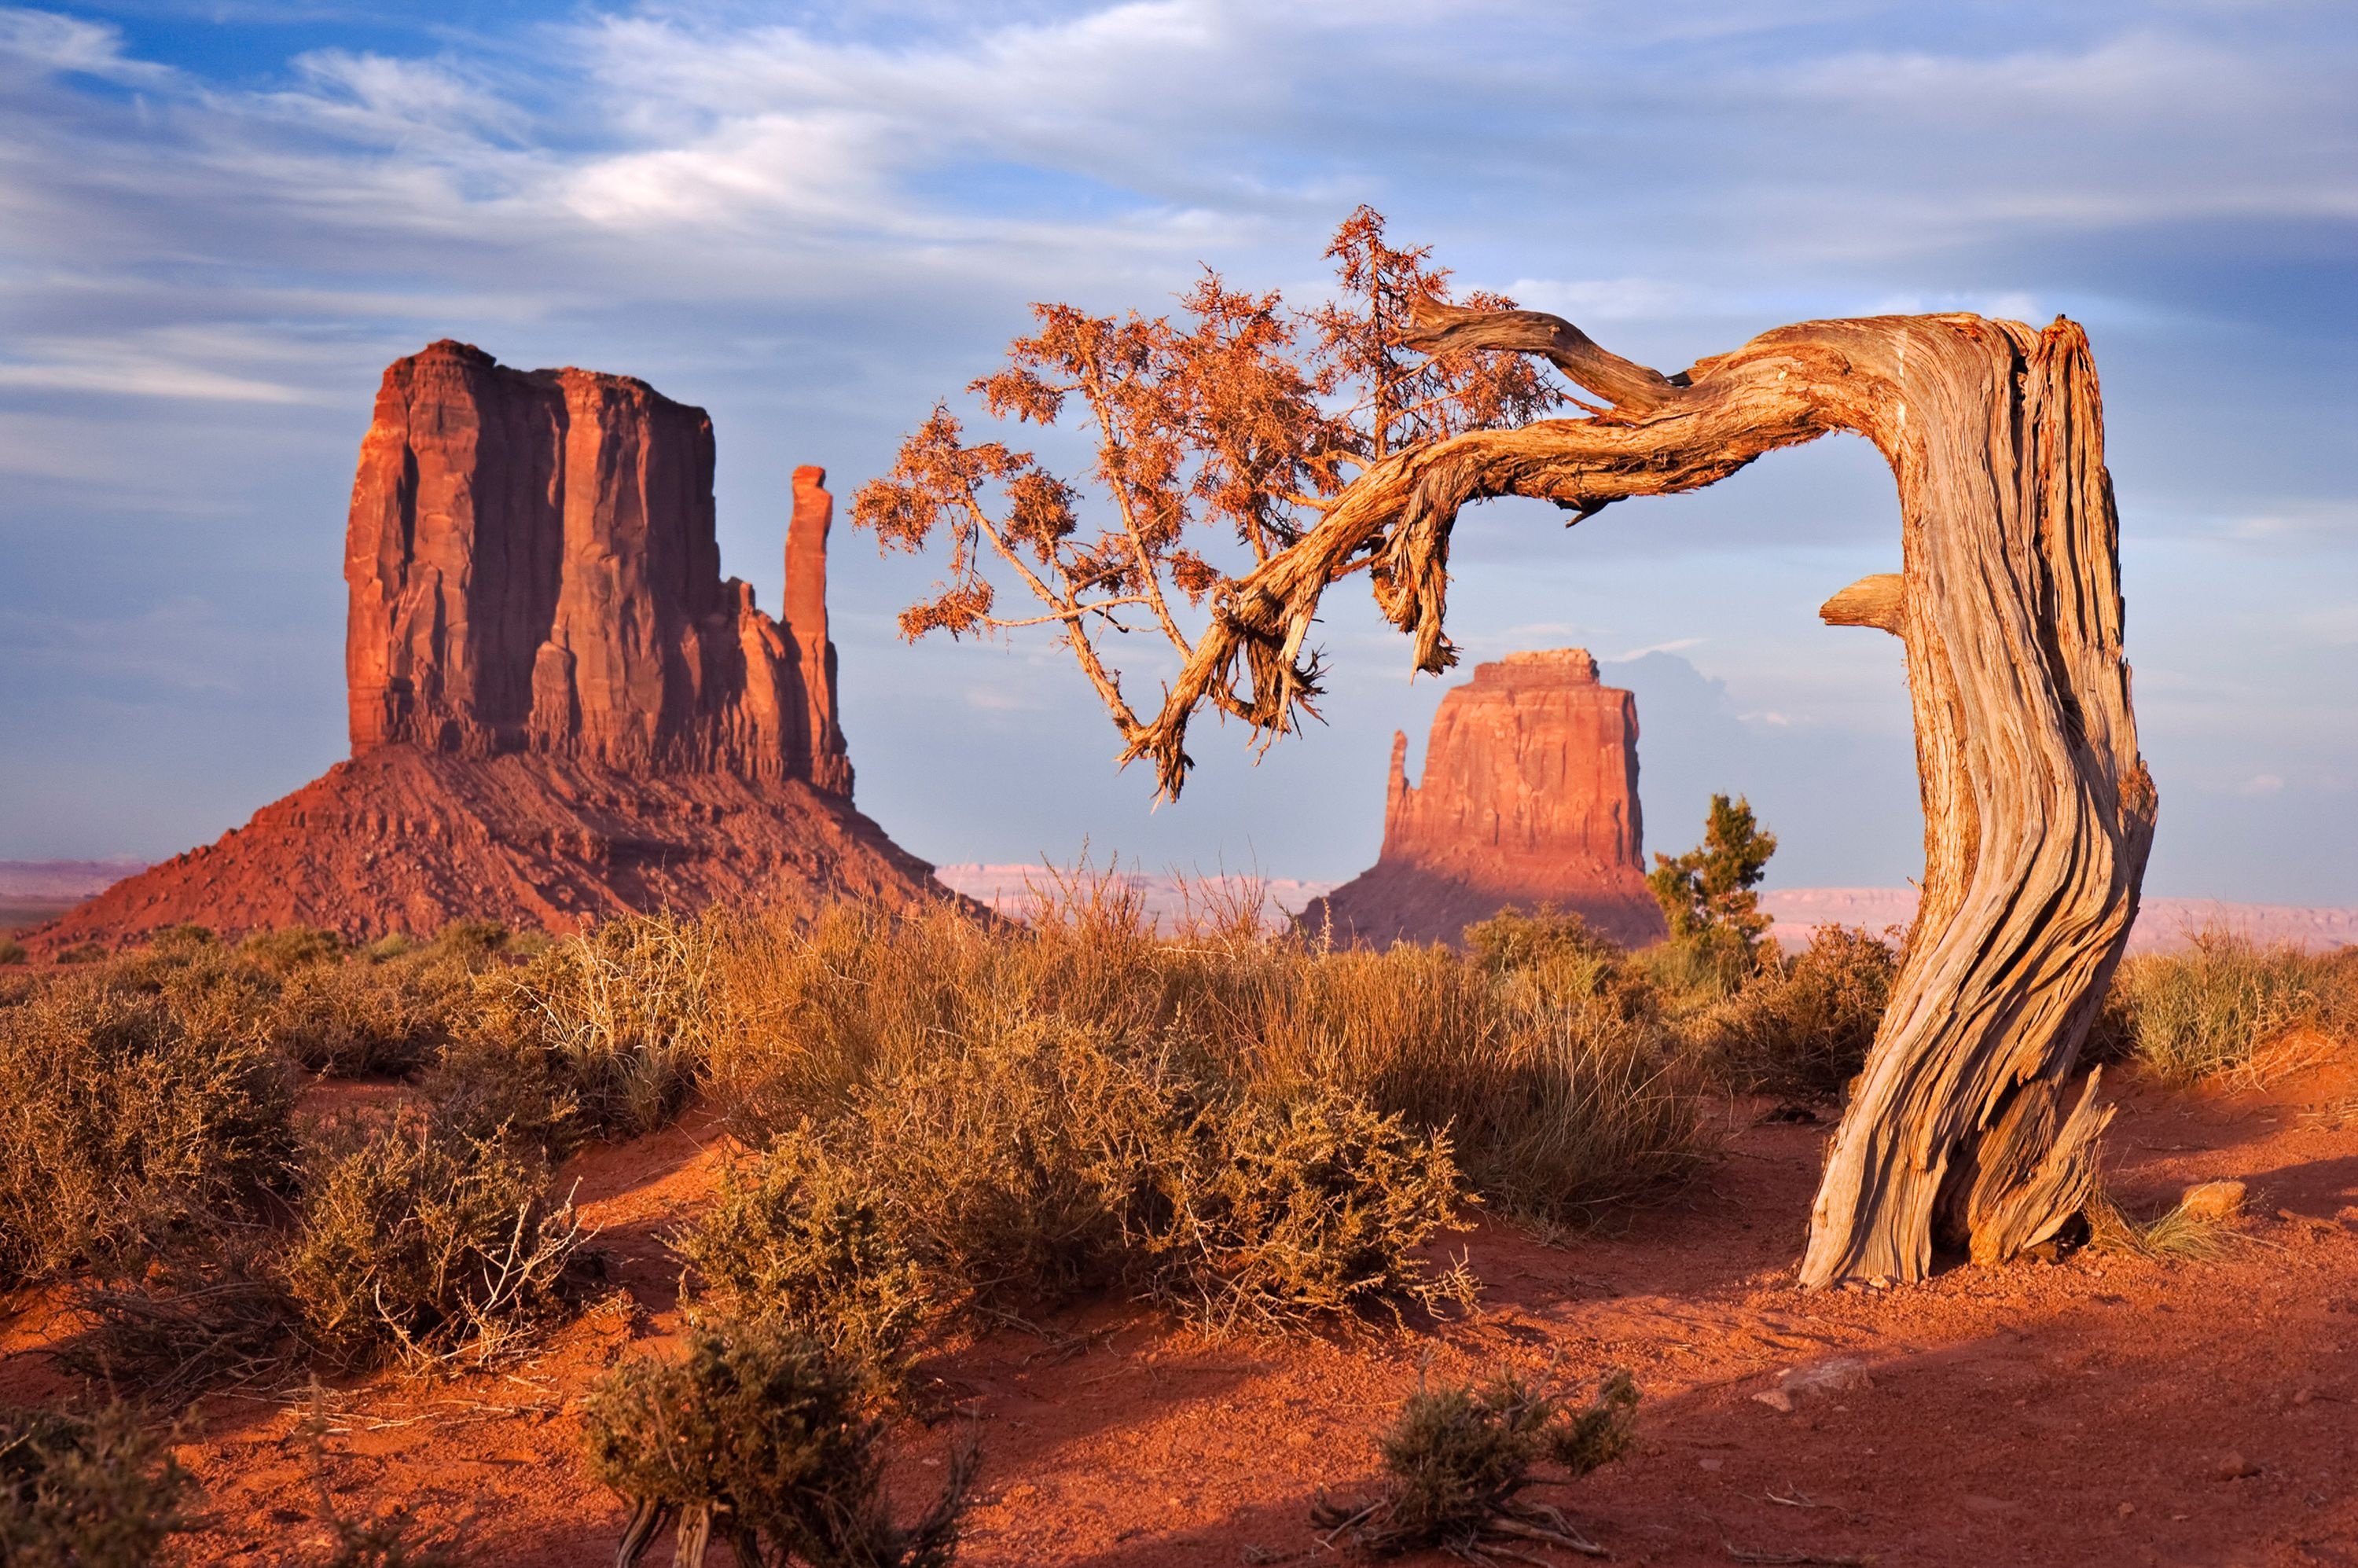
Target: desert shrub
pixel 120 1124
pixel 2217 1007
pixel 308 995
pixel 98 1491
pixel 1457 1460
pixel 391 1007
pixel 801 1240
pixel 207 1310
pixel 1802 1027
pixel 1017 1170
pixel 11 950
pixel 283 951
pixel 610 1027
pixel 422 1243
pixel 762 1435
pixel 1276 1215
pixel 365 1016
pixel 1563 950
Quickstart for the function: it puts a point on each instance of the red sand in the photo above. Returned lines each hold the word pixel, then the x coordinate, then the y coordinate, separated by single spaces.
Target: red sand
pixel 2086 1412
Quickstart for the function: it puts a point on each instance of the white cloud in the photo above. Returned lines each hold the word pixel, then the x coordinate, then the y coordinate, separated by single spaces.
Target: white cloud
pixel 54 44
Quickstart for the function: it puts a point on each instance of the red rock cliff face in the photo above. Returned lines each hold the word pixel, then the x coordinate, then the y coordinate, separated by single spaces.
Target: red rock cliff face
pixel 560 710
pixel 1530 797
pixel 532 566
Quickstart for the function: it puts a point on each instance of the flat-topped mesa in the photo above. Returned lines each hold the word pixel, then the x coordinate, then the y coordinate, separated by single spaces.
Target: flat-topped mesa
pixel 532 566
pixel 1532 767
pixel 1529 798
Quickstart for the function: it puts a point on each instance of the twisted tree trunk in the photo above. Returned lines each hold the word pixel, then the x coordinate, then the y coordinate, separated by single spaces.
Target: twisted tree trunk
pixel 2038 809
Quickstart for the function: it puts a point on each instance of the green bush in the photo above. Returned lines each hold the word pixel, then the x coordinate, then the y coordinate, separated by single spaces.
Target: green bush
pixel 1706 894
pixel 763 1435
pixel 1457 1460
pixel 1803 1028
pixel 100 1491
pixel 122 1124
pixel 424 1244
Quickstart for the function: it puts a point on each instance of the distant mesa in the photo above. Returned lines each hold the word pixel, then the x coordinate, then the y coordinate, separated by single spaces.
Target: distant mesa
pixel 559 709
pixel 1529 797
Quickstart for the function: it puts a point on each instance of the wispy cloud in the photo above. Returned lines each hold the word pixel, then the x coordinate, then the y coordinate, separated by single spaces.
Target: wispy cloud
pixel 819 225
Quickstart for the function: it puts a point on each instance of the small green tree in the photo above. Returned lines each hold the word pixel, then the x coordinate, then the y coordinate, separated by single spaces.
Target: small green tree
pixel 1706 894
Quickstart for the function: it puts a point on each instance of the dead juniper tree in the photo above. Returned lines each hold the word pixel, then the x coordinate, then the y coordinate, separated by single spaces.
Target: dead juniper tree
pixel 1304 448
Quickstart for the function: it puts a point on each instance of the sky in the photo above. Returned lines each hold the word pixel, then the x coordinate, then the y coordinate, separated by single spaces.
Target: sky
pixel 220 222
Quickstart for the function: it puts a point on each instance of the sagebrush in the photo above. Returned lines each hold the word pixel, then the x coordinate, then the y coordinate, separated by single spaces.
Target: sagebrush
pixel 86 1491
pixel 1458 1459
pixel 761 1436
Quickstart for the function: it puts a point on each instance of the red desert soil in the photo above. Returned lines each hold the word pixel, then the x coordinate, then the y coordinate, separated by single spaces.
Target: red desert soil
pixel 2098 1411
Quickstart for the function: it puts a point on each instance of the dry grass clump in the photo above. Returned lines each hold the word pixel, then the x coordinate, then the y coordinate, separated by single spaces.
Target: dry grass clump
pixel 1553 1073
pixel 2174 1233
pixel 1802 1027
pixel 122 1124
pixel 98 1491
pixel 208 1311
pixel 2223 1005
pixel 425 1244
pixel 1552 1077
pixel 761 1436
pixel 11 950
pixel 1459 1460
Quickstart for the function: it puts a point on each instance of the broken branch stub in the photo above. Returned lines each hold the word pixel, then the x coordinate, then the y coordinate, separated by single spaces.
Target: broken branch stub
pixel 2039 810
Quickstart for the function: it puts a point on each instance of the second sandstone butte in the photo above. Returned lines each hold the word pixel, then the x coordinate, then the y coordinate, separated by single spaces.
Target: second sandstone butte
pixel 1528 799
pixel 559 708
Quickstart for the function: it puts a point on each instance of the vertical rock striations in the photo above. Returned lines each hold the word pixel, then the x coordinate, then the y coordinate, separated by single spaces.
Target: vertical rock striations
pixel 560 710
pixel 1530 797
pixel 532 566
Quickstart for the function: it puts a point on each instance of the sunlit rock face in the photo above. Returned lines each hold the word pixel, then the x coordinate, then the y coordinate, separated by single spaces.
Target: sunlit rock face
pixel 560 710
pixel 1528 798
pixel 532 566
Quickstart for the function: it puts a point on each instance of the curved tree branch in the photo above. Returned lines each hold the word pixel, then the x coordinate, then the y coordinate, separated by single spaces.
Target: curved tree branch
pixel 2039 810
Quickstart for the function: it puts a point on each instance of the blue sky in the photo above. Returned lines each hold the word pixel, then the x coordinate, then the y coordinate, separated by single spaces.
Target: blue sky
pixel 219 223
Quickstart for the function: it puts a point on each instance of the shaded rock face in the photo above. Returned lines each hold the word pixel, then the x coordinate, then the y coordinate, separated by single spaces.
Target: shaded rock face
pixel 532 566
pixel 1530 797
pixel 560 710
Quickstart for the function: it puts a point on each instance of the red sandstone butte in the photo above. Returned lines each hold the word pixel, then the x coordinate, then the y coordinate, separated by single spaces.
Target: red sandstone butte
pixel 559 708
pixel 1529 798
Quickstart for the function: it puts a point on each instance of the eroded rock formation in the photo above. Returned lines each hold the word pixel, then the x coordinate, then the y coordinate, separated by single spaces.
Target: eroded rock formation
pixel 532 566
pixel 559 708
pixel 1530 797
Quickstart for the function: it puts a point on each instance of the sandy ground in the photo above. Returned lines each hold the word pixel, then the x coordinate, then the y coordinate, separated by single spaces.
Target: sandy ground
pixel 2098 1411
